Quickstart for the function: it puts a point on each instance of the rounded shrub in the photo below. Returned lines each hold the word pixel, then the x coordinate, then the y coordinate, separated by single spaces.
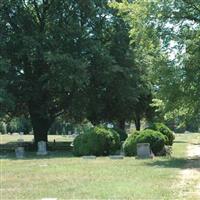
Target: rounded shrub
pixel 165 131
pixel 154 138
pixel 129 145
pixel 97 141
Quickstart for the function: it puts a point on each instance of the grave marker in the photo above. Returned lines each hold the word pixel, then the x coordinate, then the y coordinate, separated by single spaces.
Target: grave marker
pixel 42 148
pixel 89 157
pixel 143 150
pixel 19 152
pixel 115 157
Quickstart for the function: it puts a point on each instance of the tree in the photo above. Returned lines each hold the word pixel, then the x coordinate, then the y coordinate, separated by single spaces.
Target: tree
pixel 116 81
pixel 179 28
pixel 46 44
pixel 168 34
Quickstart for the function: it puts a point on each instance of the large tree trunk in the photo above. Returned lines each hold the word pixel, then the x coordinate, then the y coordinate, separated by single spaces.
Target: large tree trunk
pixel 40 129
pixel 121 124
pixel 137 122
pixel 41 124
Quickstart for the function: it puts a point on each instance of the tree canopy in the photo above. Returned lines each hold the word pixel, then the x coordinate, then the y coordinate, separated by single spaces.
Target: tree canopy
pixel 99 60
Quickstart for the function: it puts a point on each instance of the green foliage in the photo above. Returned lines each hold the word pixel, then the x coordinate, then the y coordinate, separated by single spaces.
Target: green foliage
pixel 123 135
pixel 98 141
pixel 3 129
pixel 130 143
pixel 162 128
pixel 80 63
pixel 19 124
pixel 154 138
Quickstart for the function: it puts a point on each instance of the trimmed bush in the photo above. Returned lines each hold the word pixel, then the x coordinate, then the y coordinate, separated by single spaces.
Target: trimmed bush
pixel 97 141
pixel 165 131
pixel 129 145
pixel 154 138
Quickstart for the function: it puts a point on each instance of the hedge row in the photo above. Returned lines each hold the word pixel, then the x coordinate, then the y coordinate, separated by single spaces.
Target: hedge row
pixel 101 141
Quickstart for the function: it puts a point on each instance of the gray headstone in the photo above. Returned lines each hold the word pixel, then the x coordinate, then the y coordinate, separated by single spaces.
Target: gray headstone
pixel 115 157
pixel 42 148
pixel 21 133
pixel 89 157
pixel 143 150
pixel 69 132
pixel 19 151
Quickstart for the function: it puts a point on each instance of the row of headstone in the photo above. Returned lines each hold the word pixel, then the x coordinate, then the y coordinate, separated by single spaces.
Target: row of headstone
pixel 143 151
pixel 42 149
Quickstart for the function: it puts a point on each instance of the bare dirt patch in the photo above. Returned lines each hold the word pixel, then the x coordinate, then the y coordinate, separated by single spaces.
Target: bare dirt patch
pixel 190 176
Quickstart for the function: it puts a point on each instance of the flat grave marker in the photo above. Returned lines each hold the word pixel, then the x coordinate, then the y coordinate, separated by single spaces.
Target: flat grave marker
pixel 116 157
pixel 89 157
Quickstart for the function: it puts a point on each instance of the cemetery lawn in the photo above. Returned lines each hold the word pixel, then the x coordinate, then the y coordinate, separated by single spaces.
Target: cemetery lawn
pixel 62 176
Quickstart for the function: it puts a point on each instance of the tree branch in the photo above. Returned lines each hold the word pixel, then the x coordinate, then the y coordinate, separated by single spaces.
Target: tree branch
pixel 37 11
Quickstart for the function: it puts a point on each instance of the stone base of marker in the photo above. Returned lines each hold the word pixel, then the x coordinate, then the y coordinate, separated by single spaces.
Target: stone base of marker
pixel 89 157
pixel 42 148
pixel 144 151
pixel 19 152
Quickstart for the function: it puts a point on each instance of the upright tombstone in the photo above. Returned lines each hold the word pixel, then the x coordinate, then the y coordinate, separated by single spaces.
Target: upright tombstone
pixel 42 148
pixel 143 150
pixel 21 133
pixel 19 151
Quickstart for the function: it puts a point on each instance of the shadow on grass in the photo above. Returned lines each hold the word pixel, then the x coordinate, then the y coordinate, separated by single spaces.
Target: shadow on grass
pixel 177 141
pixel 55 150
pixel 181 163
pixel 33 156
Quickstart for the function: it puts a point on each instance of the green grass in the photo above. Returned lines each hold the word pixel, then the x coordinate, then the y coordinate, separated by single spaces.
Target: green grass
pixel 62 176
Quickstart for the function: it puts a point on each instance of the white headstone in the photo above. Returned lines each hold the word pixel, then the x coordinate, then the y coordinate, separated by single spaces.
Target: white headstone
pixel 143 150
pixel 110 125
pixel 42 148
pixel 19 151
